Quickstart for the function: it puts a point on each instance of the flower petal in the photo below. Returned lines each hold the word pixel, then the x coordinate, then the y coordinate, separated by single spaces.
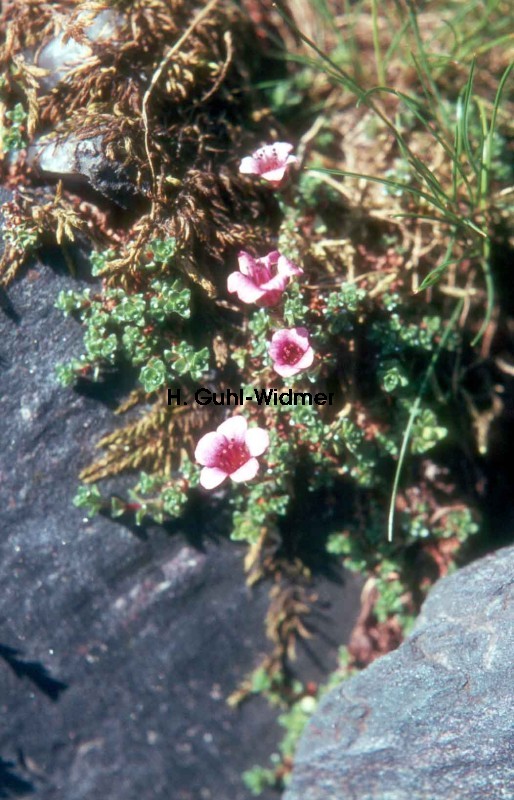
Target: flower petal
pixel 234 428
pixel 249 166
pixel 246 262
pixel 211 477
pixel 273 175
pixel 271 260
pixel 257 441
pixel 275 351
pixel 300 336
pixel 306 360
pixel 207 449
pixel 277 284
pixel 282 150
pixel 269 299
pixel 287 268
pixel 282 336
pixel 286 370
pixel 246 472
pixel 244 287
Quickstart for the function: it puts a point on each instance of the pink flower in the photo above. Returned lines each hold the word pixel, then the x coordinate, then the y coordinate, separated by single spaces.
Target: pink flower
pixel 262 280
pixel 230 450
pixel 270 162
pixel 291 351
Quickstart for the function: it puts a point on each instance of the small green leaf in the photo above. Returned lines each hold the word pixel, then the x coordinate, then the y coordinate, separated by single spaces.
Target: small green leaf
pixel 153 375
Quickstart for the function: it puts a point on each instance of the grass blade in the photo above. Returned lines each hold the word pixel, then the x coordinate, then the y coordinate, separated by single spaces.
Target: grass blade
pixel 414 413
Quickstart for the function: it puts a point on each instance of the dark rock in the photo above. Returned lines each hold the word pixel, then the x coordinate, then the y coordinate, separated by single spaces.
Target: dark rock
pixel 82 162
pixel 117 651
pixel 433 720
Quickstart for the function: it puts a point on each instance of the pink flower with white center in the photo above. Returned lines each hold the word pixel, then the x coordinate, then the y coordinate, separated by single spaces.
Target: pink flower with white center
pixel 231 450
pixel 262 280
pixel 270 162
pixel 291 351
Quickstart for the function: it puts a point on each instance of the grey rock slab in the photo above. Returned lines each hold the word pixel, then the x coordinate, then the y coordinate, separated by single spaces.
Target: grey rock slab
pixel 117 651
pixel 434 720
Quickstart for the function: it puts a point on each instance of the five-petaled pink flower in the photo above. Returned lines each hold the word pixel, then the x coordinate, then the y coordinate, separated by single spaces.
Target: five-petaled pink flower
pixel 291 351
pixel 231 450
pixel 262 280
pixel 270 162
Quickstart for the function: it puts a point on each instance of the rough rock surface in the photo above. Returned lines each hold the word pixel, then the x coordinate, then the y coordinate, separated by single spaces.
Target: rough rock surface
pixel 82 162
pixel 433 720
pixel 117 647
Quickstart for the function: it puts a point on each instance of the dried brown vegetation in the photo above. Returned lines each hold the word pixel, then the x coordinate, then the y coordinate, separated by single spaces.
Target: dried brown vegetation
pixel 170 116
